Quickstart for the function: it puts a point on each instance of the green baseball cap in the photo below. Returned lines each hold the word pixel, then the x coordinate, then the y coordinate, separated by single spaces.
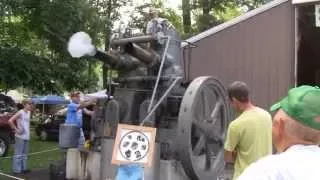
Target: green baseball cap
pixel 303 105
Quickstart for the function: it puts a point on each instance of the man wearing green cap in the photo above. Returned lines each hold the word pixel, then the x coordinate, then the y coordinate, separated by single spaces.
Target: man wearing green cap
pixel 296 136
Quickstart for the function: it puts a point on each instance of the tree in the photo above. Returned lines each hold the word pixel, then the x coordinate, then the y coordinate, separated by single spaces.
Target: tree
pixel 250 4
pixel 141 16
pixel 57 20
pixel 18 68
pixel 108 11
pixel 209 13
pixel 169 14
pixel 35 34
pixel 186 14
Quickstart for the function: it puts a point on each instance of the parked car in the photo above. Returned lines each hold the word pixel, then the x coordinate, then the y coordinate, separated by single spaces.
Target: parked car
pixel 6 134
pixel 49 128
pixel 7 110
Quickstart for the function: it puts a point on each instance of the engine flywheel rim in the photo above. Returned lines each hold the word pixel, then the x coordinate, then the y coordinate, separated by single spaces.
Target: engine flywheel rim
pixel 202 125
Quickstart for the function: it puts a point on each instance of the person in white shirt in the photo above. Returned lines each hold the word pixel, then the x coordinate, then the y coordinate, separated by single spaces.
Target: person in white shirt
pixel 296 136
pixel 20 123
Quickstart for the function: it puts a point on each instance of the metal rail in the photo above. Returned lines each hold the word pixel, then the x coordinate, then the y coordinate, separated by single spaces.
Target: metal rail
pixel 159 74
pixel 139 39
pixel 160 100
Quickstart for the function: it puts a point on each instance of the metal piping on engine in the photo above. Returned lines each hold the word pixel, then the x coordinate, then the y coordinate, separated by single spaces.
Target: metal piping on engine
pixel 139 39
pixel 147 56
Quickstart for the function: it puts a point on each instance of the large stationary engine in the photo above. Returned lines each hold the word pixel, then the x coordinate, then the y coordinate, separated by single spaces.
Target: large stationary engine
pixel 191 117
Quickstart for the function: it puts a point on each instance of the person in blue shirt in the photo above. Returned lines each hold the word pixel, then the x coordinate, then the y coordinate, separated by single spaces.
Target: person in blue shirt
pixel 74 113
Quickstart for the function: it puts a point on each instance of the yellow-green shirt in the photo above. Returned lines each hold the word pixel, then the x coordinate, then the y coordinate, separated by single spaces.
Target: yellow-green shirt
pixel 250 136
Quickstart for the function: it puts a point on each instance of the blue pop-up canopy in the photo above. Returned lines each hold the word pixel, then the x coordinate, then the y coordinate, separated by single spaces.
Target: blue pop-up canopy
pixel 49 99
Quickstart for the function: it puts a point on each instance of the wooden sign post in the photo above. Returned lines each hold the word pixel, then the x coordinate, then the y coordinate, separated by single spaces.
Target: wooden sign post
pixel 134 145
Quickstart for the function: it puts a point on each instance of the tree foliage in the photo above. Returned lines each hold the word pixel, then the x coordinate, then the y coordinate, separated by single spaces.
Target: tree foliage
pixel 108 11
pixel 57 20
pixel 141 16
pixel 186 14
pixel 33 39
pixel 34 35
pixel 209 13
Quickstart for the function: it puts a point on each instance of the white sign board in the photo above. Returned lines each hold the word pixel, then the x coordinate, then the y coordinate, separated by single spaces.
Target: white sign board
pixel 317 14
pixel 134 145
pixel 303 1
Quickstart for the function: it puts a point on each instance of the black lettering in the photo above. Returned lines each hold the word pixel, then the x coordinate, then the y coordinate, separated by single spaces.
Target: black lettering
pixel 134 146
pixel 138 154
pixel 125 144
pixel 128 153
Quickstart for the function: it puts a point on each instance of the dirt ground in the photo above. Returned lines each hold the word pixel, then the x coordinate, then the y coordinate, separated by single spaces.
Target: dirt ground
pixel 41 174
pixel 37 174
pixel 44 174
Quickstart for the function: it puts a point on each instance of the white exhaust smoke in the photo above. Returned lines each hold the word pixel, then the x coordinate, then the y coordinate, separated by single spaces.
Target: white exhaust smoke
pixel 80 44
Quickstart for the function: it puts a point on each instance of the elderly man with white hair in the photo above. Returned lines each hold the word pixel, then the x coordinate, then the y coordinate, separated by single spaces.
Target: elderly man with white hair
pixel 296 136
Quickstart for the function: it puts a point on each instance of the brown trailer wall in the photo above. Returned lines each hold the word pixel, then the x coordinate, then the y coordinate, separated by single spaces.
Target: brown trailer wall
pixel 258 51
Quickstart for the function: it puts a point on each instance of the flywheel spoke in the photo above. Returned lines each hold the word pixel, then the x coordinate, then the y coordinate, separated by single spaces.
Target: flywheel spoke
pixel 215 112
pixel 209 130
pixel 202 104
pixel 209 156
pixel 199 146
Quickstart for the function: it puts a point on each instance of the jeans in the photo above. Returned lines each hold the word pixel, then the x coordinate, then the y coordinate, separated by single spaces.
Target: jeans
pixel 81 139
pixel 21 147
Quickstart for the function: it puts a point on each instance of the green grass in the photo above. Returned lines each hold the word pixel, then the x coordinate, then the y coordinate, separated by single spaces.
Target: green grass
pixel 35 161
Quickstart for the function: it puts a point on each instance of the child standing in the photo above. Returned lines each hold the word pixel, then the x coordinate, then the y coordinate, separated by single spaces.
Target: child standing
pixel 20 123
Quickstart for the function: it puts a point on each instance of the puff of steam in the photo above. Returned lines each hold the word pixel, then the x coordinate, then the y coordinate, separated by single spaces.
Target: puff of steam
pixel 80 44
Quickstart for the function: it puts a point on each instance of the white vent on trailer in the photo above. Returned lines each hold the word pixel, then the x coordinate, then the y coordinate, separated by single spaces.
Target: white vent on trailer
pixel 304 1
pixel 317 14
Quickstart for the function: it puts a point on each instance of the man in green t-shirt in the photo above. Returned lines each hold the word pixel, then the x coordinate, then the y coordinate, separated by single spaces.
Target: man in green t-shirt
pixel 249 136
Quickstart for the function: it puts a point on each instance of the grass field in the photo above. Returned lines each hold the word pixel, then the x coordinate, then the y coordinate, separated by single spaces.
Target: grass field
pixel 36 161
